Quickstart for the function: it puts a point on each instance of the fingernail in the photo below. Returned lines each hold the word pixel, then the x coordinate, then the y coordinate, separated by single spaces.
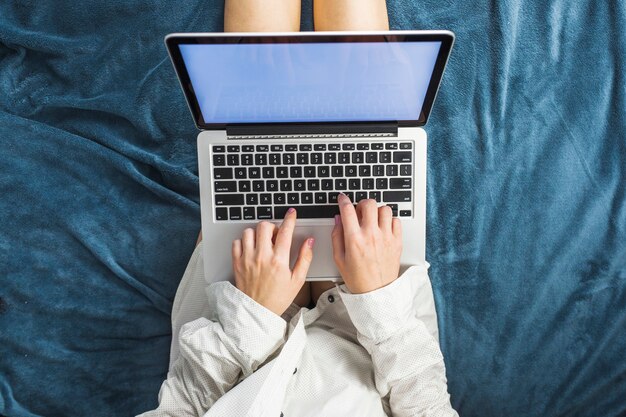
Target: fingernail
pixel 291 210
pixel 310 242
pixel 337 219
pixel 341 196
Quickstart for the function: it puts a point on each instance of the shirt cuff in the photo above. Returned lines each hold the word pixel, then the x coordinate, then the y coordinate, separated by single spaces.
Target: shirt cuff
pixel 255 330
pixel 379 314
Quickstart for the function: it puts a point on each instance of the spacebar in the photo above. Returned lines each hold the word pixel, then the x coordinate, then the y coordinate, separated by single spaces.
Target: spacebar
pixel 309 212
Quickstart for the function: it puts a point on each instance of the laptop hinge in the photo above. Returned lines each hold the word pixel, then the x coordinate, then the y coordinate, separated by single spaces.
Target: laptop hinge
pixel 382 128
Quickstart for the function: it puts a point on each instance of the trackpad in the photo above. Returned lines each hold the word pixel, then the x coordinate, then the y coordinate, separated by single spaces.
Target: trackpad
pixel 323 266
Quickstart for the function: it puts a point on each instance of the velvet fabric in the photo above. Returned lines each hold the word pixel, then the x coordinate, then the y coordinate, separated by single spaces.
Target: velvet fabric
pixel 526 205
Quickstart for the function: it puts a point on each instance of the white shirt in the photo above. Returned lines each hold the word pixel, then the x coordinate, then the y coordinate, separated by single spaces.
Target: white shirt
pixel 374 354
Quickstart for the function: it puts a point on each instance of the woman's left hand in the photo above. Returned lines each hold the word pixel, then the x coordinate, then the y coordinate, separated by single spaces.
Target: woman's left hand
pixel 261 266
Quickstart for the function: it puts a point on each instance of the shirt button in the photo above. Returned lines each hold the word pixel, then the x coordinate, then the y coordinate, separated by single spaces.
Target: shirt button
pixel 331 299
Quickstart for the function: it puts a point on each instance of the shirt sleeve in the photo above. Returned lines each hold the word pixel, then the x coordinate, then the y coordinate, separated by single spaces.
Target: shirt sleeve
pixel 408 364
pixel 217 352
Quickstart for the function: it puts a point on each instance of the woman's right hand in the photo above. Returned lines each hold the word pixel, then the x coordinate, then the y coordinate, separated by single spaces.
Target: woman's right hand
pixel 367 244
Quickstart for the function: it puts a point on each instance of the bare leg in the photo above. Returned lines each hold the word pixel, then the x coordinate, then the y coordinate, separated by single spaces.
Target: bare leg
pixel 350 15
pixel 262 15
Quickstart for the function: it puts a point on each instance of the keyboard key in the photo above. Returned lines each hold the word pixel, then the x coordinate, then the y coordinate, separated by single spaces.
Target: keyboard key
pixel 262 148
pixel 396 183
pixel 221 213
pixel 295 172
pixel 347 146
pixel 376 146
pixel 282 172
pixel 362 146
pixel 316 158
pixel 219 149
pixel 350 195
pixel 391 145
pixel 279 198
pixel 385 157
pixel 405 169
pixel 293 198
pixel 247 148
pixel 392 170
pixel 375 195
pixel 244 186
pixel 285 185
pixel 268 173
pixel 365 171
pixel 354 183
pixel 305 147
pixel 323 171
pixel 225 186
pixel 233 148
pixel 394 209
pixel 248 213
pixel 382 183
pixel 229 199
pixel 371 157
pixel 233 159
pixel 378 170
pixel 344 157
pixel 406 145
pixel 337 171
pixel 368 183
pixel 402 156
pixel 307 198
pixel 289 159
pixel 320 198
pixel 313 185
pixel 299 185
pixel 234 213
pixel 309 172
pixel 258 185
pixel 260 159
pixel 254 172
pixel 219 160
pixel 310 212
pixel 271 185
pixel 327 184
pixel 360 195
pixel 302 158
pixel 246 159
pixel 274 159
pixel 334 146
pixel 319 147
pixel 398 196
pixel 357 157
pixel 330 158
pixel 276 148
pixel 341 184
pixel 351 171
pixel 265 198
pixel 332 197
pixel 263 213
pixel 252 199
pixel 291 148
pixel 223 173
pixel 405 213
pixel 240 173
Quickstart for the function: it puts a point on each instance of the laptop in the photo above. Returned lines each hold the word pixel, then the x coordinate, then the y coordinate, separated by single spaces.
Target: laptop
pixel 293 119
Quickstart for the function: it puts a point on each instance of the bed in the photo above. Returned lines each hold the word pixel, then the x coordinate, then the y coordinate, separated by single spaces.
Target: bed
pixel 526 228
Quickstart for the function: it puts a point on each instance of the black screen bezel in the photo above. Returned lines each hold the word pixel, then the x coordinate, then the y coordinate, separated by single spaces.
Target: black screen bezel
pixel 173 41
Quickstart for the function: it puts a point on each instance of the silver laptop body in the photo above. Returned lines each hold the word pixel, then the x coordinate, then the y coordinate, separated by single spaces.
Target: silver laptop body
pixel 271 138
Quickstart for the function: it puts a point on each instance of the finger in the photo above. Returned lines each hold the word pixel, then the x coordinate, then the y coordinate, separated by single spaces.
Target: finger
pixel 369 213
pixel 248 240
pixel 349 218
pixel 264 232
pixel 384 218
pixel 339 248
pixel 236 249
pixel 396 228
pixel 301 267
pixel 285 233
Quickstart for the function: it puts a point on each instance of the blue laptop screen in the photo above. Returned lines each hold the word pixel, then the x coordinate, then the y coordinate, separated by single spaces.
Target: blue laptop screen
pixel 310 82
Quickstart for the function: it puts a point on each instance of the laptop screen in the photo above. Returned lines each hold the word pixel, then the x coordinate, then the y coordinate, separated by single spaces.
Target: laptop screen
pixel 310 82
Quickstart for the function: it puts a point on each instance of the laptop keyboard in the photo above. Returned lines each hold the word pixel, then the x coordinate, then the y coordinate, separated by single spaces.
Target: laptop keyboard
pixel 261 181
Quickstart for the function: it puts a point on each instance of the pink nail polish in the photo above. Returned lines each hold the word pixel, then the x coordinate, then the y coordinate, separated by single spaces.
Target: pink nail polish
pixel 291 210
pixel 310 242
pixel 336 219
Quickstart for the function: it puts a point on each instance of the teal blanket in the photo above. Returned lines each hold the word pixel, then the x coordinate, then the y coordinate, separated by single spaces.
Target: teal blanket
pixel 526 202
